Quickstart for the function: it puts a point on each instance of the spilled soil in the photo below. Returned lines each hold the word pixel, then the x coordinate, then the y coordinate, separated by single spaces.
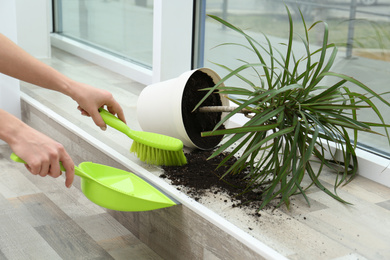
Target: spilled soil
pixel 201 175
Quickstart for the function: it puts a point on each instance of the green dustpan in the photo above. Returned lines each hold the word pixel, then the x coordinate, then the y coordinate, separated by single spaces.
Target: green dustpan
pixel 116 189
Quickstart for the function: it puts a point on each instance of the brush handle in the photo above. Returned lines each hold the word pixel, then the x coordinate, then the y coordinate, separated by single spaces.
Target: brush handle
pixel 152 140
pixel 114 122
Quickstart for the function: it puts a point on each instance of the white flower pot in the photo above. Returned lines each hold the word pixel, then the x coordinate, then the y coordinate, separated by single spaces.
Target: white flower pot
pixel 161 109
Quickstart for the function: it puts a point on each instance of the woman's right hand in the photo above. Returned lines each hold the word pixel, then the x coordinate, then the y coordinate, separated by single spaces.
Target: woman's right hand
pixel 41 153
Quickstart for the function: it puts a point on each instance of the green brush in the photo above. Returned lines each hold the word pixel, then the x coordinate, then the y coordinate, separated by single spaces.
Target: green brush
pixel 151 148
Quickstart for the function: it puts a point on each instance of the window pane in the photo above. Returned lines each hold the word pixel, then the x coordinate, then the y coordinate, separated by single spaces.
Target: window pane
pixel 121 27
pixel 361 31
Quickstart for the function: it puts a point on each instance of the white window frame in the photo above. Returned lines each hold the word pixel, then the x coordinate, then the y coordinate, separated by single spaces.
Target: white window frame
pixel 172 45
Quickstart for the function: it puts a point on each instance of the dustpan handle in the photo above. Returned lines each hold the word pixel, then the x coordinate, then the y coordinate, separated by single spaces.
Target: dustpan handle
pixel 77 170
pixel 16 158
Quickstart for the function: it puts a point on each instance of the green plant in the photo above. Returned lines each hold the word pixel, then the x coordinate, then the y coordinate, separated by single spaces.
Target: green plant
pixel 294 117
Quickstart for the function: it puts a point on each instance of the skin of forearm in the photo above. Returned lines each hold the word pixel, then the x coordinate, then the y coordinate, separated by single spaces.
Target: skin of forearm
pixel 17 63
pixel 10 129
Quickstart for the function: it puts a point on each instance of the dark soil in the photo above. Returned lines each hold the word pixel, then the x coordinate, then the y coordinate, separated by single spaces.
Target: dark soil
pixel 194 122
pixel 200 175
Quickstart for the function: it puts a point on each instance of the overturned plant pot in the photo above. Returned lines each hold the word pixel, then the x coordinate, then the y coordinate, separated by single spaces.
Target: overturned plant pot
pixel 167 108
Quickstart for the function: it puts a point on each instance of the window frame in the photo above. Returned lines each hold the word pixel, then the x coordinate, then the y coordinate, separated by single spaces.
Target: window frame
pixel 172 44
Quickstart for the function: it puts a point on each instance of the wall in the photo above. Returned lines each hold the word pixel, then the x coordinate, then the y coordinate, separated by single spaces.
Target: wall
pixel 27 23
pixel 33 26
pixel 9 87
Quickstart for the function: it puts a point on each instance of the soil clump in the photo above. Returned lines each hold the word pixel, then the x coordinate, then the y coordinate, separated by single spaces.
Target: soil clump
pixel 201 175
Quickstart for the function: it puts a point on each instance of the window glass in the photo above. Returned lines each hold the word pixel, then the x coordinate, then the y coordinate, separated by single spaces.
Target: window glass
pixel 360 28
pixel 121 27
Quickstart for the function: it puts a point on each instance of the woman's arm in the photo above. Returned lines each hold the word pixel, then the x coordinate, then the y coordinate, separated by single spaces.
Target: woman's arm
pixel 41 153
pixel 17 63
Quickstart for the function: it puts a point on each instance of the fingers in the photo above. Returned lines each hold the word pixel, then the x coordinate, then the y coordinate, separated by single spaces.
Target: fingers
pixel 68 164
pixel 48 164
pixel 96 117
pixel 98 120
pixel 90 99
pixel 54 170
pixel 116 109
pixel 83 112
pixel 39 167
pixel 69 174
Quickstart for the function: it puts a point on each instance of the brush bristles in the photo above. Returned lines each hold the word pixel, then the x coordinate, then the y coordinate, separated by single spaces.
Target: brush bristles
pixel 155 156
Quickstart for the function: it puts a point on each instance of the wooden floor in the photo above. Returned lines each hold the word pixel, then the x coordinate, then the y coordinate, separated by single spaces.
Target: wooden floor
pixel 41 219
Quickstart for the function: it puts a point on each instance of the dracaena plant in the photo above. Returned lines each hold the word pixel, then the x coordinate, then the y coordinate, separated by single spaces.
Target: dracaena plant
pixel 294 117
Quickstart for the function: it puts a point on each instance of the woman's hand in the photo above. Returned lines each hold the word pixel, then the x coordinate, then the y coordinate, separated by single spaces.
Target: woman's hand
pixel 90 99
pixel 41 153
